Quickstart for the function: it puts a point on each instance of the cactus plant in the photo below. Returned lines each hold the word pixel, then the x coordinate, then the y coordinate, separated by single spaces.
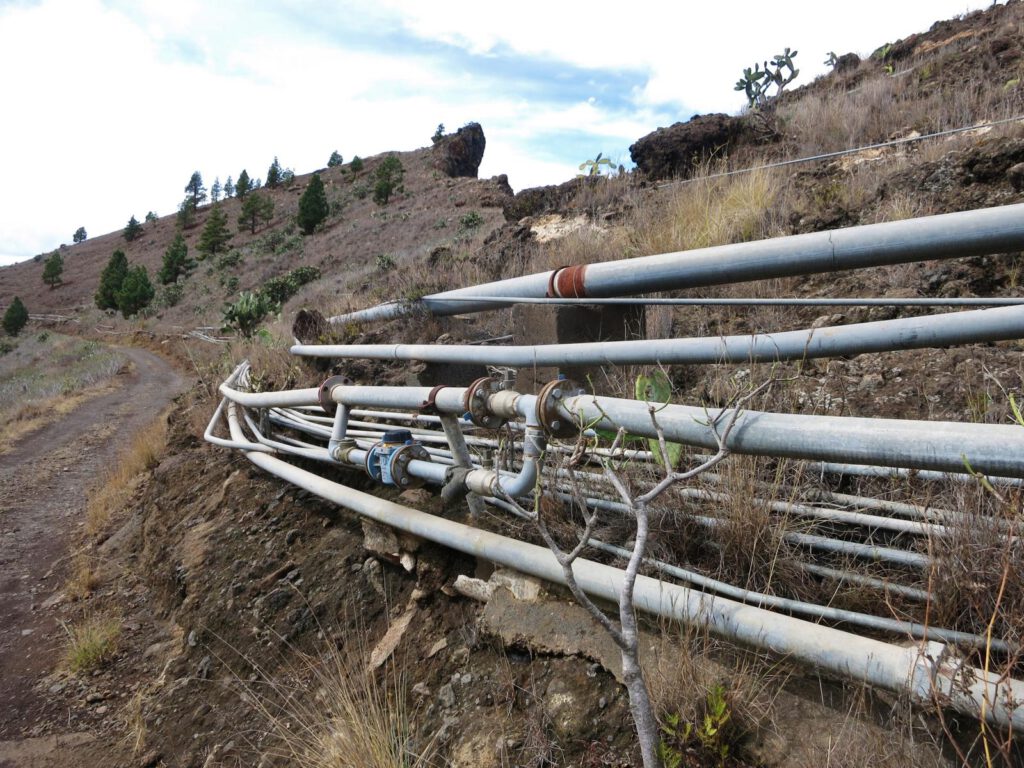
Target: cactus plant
pixel 756 81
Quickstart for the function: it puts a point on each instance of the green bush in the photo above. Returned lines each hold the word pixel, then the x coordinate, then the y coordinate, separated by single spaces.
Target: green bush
pixel 278 290
pixel 470 221
pixel 244 315
pixel 169 295
pixel 385 262
pixel 229 259
pixel 357 164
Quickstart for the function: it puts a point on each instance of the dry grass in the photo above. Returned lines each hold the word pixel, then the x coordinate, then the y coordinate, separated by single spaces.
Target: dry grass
pixel 142 455
pixel 84 579
pixel 47 377
pixel 710 211
pixel 92 642
pixel 331 711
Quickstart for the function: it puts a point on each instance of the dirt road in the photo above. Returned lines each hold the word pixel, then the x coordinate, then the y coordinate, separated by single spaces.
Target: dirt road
pixel 44 483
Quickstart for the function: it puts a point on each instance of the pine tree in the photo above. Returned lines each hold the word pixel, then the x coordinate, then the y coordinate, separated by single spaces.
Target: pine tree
pixel 256 209
pixel 215 235
pixel 335 159
pixel 79 236
pixel 388 176
pixel 196 189
pixel 176 261
pixel 357 164
pixel 215 190
pixel 110 281
pixel 15 317
pixel 151 217
pixel 229 188
pixel 312 205
pixel 243 186
pixel 274 174
pixel 53 269
pixel 136 291
pixel 186 213
pixel 133 229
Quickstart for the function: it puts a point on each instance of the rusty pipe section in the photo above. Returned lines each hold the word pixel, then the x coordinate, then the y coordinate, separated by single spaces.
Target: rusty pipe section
pixel 945 236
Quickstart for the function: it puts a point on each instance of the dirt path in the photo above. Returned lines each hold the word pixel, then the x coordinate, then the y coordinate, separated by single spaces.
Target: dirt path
pixel 44 482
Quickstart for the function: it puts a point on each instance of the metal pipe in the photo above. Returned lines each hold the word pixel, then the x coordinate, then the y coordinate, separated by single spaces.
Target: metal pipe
pixel 982 325
pixel 460 452
pixel 950 235
pixel 867 470
pixel 940 445
pixel 755 301
pixel 870 552
pixel 924 672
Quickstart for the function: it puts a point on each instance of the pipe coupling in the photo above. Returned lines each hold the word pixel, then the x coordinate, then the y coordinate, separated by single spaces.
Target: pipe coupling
pixel 503 403
pixel 482 482
pixel 476 402
pixel 342 450
pixel 323 395
pixel 549 399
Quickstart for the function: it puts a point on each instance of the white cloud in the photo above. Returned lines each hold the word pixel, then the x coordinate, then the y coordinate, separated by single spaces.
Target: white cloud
pixel 110 105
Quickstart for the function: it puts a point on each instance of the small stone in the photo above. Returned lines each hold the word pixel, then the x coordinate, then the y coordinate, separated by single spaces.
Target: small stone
pixel 150 759
pixel 421 689
pixel 437 647
pixel 466 679
pixel 192 639
pixel 446 696
pixel 102 710
pixel 460 655
pixel 828 320
pixel 291 537
pixel 602 702
pixel 93 697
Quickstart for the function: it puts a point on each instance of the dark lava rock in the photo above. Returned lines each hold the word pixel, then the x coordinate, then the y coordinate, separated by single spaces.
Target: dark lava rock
pixel 459 154
pixel 847 62
pixel 675 151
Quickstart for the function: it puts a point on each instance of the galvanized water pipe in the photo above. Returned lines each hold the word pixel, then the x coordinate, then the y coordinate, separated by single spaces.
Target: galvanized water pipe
pixel 950 235
pixel 976 326
pixel 941 445
pixel 925 672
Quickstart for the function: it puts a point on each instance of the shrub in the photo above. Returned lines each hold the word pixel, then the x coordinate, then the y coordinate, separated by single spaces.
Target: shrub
pixel 229 259
pixel 15 317
pixel 248 312
pixel 170 295
pixel 470 221
pixel 385 262
pixel 278 290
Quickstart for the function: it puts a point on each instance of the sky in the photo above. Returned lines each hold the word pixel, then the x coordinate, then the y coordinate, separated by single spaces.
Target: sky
pixel 110 105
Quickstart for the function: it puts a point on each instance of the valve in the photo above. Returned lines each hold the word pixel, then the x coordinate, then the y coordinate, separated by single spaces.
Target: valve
pixel 388 460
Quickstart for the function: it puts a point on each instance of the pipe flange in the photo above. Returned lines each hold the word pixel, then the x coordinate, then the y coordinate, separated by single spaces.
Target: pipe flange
pixel 323 395
pixel 548 400
pixel 400 465
pixel 475 402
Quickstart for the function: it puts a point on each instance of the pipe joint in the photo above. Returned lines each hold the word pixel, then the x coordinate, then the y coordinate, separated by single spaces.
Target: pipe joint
pixel 475 402
pixel 503 404
pixel 549 400
pixel 323 394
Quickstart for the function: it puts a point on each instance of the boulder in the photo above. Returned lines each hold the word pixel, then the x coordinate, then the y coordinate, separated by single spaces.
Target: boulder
pixel 675 151
pixel 459 154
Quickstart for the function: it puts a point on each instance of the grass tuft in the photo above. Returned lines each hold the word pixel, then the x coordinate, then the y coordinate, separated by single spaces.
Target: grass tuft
pixel 92 642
